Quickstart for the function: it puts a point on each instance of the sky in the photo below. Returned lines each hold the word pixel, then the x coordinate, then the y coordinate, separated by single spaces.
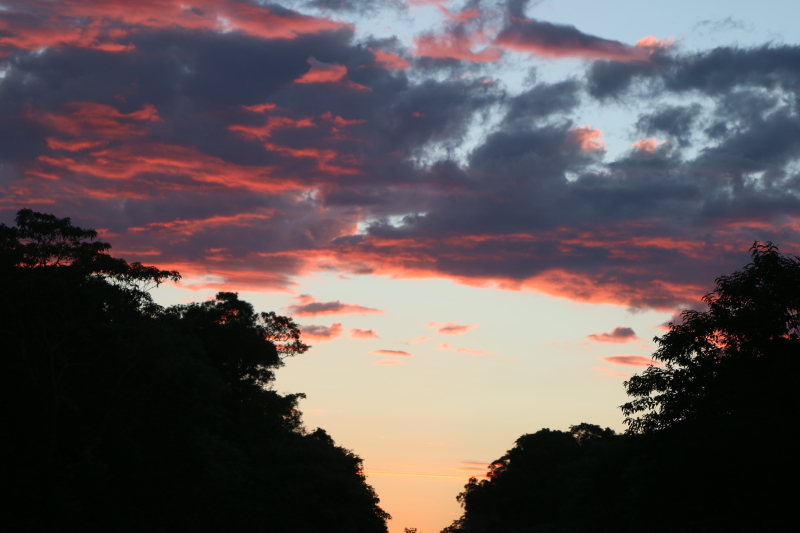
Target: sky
pixel 480 213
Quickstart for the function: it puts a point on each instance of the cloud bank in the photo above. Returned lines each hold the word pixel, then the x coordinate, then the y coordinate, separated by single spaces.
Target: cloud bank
pixel 249 144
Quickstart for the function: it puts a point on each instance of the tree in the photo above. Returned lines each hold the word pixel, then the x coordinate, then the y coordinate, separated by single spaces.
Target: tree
pixel 738 359
pixel 119 415
pixel 554 481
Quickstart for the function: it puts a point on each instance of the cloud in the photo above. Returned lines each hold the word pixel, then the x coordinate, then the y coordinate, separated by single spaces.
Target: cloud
pixel 468 351
pixel 188 157
pixel 618 335
pixel 451 328
pixel 396 353
pixel 472 466
pixel 363 334
pixel 631 360
pixel 419 339
pixel 308 306
pixel 322 333
pixel 561 41
pixel 387 362
pixel 455 44
pixel 324 73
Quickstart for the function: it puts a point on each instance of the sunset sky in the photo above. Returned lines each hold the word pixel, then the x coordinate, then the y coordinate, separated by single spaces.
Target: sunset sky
pixel 480 213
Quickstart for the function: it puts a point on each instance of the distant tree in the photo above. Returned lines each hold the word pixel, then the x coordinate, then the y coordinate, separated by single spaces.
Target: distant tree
pixel 737 359
pixel 549 481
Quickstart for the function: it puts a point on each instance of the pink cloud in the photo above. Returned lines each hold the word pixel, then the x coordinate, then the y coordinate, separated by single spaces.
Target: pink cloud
pixel 308 306
pixel 588 138
pixel 327 73
pixel 363 334
pixel 454 45
pixel 396 353
pixel 387 362
pixel 619 335
pixel 648 145
pixel 471 352
pixel 451 328
pixel 322 333
pixel 107 24
pixel 562 41
pixel 419 339
pixel 654 44
pixel 631 360
pixel 389 60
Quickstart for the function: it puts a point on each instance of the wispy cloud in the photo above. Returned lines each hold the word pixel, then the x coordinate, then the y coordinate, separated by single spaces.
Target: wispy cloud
pixel 363 334
pixel 619 335
pixel 322 333
pixel 308 306
pixel 397 353
pixel 631 360
pixel 451 328
pixel 388 362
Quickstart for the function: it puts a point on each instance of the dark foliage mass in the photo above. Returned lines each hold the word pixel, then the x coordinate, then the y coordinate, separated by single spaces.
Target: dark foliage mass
pixel 120 415
pixel 711 443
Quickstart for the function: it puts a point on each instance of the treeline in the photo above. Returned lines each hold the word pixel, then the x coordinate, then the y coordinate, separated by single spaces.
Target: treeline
pixel 120 415
pixel 712 439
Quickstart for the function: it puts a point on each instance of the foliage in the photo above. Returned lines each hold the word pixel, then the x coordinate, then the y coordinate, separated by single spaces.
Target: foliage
pixel 731 360
pixel 712 448
pixel 119 415
pixel 549 481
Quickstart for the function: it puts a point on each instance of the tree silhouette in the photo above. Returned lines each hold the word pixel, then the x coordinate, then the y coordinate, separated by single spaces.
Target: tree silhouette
pixel 731 360
pixel 119 415
pixel 711 439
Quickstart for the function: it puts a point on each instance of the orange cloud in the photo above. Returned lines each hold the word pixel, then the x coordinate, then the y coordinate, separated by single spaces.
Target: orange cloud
pixel 260 108
pixel 388 362
pixel 187 165
pixel 389 60
pixel 451 328
pixel 396 353
pixel 619 335
pixel 363 334
pixel 192 226
pixel 648 145
pixel 326 73
pixel 471 352
pixel 308 306
pixel 588 138
pixel 401 474
pixel 454 45
pixel 561 41
pixel 462 16
pixel 472 466
pixel 322 333
pixel 273 123
pixel 95 124
pixel 653 44
pixel 106 24
pixel 631 360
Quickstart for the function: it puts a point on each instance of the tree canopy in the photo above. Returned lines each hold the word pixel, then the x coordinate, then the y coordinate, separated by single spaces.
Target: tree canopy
pixel 732 360
pixel 120 415
pixel 710 444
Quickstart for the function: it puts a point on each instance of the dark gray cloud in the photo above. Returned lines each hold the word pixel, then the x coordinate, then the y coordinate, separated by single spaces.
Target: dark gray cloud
pixel 675 122
pixel 250 158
